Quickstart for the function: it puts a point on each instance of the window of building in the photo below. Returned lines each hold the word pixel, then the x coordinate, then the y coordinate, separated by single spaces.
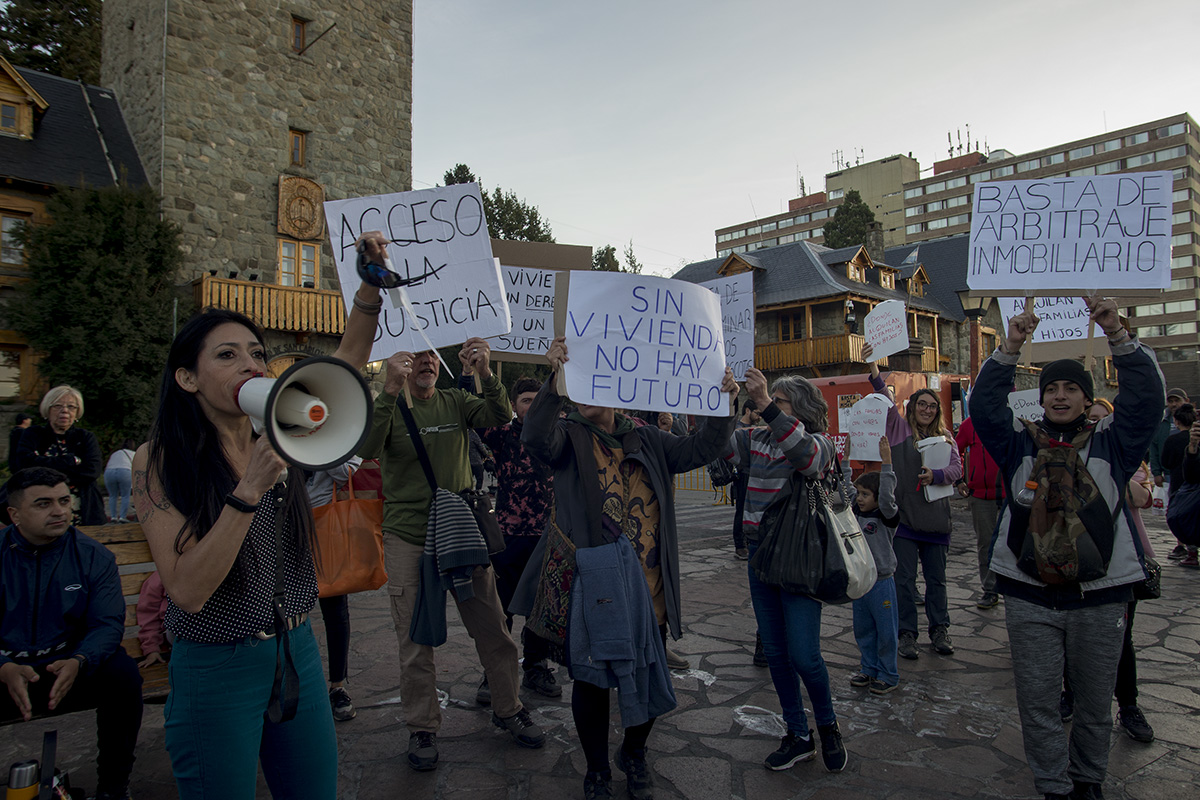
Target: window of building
pixel 958 219
pixel 299 34
pixel 961 200
pixel 1180 173
pixel 1153 309
pixel 1002 172
pixel 856 273
pixel 1170 130
pixel 955 183
pixel 1181 262
pixel 759 245
pixel 1111 144
pixel 1137 138
pixel 816 215
pixel 934 188
pixel 936 205
pixel 1139 160
pixel 887 279
pixel 800 219
pixel 916 287
pixel 8 117
pixel 1179 328
pixel 754 230
pixel 1181 195
pixel 986 175
pixel 937 224
pixel 914 228
pixel 1181 217
pixel 913 211
pixel 837 194
pixel 1054 158
pixel 1170 152
pixel 1111 166
pixel 1082 152
pixel 1181 239
pixel 1082 171
pixel 11 251
pixel 299 263
pixel 818 232
pixel 791 326
pixel 1026 166
pixel 787 239
pixel 769 226
pixel 1180 284
pixel 296 143
pixel 1180 307
pixel 723 253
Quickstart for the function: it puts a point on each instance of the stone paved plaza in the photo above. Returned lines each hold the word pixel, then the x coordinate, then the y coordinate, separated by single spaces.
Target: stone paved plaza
pixel 950 731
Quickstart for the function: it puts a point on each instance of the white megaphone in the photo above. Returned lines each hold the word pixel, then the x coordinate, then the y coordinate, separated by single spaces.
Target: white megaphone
pixel 316 414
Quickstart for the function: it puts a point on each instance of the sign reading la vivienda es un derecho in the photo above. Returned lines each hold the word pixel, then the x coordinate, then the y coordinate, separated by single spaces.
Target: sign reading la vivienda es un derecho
pixel 737 316
pixel 645 344
pixel 439 236
pixel 1072 234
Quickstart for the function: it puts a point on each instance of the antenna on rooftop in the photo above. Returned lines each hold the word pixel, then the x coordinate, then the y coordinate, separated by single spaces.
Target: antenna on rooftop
pixel 800 183
pixel 950 141
pixel 838 161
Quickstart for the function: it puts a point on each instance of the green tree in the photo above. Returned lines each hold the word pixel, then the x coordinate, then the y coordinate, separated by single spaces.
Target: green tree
pixel 98 306
pixel 508 216
pixel 632 265
pixel 849 223
pixel 61 37
pixel 605 259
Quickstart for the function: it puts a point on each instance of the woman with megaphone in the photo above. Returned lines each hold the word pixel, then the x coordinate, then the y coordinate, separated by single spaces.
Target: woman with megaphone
pixel 230 528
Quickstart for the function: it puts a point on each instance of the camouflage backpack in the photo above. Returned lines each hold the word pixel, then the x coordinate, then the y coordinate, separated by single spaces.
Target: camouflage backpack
pixel 1070 528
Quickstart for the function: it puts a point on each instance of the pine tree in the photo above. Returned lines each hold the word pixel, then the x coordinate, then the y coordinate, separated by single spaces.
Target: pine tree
pixel 850 222
pixel 508 216
pixel 61 37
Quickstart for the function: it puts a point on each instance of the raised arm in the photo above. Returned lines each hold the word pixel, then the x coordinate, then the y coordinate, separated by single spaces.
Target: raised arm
pixel 363 319
pixel 541 434
pixel 709 442
pixel 811 454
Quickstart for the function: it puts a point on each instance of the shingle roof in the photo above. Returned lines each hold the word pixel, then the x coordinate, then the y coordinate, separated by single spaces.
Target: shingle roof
pixel 801 271
pixel 70 139
pixel 945 262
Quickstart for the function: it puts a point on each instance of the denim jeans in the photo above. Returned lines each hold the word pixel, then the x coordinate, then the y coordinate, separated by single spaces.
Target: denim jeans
pixel 790 627
pixel 118 483
pixel 933 567
pixel 875 630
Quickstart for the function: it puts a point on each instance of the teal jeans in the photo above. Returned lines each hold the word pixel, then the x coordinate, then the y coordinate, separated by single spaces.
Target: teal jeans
pixel 216 726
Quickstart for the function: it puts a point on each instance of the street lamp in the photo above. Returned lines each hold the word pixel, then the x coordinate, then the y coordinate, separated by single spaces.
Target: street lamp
pixel 851 320
pixel 974 308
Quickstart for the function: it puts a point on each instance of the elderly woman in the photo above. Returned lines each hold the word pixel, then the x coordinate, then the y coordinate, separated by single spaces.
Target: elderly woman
pixel 794 440
pixel 612 486
pixel 61 445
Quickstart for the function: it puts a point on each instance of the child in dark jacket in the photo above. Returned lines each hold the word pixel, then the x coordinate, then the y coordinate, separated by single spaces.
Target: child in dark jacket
pixel 875 618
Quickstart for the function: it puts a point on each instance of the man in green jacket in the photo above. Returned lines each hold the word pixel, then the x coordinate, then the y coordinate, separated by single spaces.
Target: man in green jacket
pixel 443 418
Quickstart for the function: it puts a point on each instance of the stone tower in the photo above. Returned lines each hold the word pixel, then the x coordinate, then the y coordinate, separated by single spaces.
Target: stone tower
pixel 248 113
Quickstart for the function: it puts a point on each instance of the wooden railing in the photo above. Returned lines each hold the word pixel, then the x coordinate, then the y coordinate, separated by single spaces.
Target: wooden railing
pixel 277 308
pixel 818 350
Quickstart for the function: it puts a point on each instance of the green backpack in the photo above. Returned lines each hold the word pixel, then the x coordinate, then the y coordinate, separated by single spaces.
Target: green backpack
pixel 1070 529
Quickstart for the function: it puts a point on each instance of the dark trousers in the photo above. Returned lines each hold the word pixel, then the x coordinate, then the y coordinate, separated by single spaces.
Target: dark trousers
pixel 589 708
pixel 114 689
pixel 508 566
pixel 739 503
pixel 932 558
pixel 336 613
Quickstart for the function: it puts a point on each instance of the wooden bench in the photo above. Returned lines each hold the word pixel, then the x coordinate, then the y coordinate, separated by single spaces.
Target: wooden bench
pixel 128 543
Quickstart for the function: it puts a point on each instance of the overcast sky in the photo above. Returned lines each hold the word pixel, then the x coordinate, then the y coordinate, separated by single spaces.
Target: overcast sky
pixel 659 121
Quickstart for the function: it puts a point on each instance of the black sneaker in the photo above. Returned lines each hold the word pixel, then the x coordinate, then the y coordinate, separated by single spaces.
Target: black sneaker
pixel 941 640
pixel 422 751
pixel 760 658
pixel 540 679
pixel 792 750
pixel 879 687
pixel 484 695
pixel 1177 553
pixel 1086 791
pixel 906 647
pixel 522 728
pixel 989 600
pixel 860 680
pixel 637 774
pixel 343 709
pixel 1134 723
pixel 833 752
pixel 676 661
pixel 1066 707
pixel 597 785
pixel 742 554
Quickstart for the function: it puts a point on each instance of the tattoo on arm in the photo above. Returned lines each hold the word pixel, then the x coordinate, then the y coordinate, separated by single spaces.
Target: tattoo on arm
pixel 145 499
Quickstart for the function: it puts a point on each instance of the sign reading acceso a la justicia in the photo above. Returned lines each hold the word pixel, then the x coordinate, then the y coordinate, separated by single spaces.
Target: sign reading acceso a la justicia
pixel 645 344
pixel 1072 234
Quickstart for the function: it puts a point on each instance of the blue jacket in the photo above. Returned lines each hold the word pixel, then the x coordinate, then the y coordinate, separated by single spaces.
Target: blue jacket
pixel 58 600
pixel 1112 455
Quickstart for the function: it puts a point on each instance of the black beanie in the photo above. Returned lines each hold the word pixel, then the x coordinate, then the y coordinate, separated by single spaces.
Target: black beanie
pixel 1066 369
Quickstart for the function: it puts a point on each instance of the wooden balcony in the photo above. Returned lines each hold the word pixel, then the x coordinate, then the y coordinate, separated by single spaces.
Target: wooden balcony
pixel 277 308
pixel 818 351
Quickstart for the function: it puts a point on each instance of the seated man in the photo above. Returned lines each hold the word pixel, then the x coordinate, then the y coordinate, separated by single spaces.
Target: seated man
pixel 61 621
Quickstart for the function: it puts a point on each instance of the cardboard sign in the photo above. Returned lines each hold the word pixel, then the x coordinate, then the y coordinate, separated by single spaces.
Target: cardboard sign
pixel 438 236
pixel 1072 235
pixel 886 328
pixel 1026 404
pixel 868 425
pixel 644 343
pixel 845 410
pixel 530 296
pixel 1061 318
pixel 737 315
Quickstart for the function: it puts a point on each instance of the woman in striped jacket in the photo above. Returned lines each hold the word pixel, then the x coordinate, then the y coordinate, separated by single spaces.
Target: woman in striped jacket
pixel 794 439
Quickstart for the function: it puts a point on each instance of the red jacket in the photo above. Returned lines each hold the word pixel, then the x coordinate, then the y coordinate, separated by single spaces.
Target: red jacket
pixel 983 476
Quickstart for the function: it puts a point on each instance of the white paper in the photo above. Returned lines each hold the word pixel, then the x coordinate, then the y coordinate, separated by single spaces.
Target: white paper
pixel 935 454
pixel 845 411
pixel 439 234
pixel 886 328
pixel 530 296
pixel 737 315
pixel 1026 404
pixel 644 343
pixel 1061 318
pixel 868 425
pixel 1087 233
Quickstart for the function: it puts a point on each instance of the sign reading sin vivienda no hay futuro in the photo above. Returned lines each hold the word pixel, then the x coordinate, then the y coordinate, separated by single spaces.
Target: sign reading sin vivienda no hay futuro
pixel 1072 234
pixel 645 344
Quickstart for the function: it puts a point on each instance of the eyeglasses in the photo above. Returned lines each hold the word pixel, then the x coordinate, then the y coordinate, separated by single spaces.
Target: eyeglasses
pixel 74 409
pixel 927 406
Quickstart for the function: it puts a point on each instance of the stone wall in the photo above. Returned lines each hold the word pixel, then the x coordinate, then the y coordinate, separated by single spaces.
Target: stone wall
pixel 234 88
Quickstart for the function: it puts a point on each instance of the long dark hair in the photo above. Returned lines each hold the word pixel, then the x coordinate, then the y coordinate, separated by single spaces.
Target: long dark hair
pixel 185 453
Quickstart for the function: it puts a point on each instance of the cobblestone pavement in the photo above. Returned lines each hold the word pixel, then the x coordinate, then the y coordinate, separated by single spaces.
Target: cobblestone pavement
pixel 950 731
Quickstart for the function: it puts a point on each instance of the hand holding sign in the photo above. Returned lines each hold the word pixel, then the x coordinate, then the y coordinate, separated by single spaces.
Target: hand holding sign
pixel 1104 314
pixel 1020 328
pixel 557 354
pixel 475 355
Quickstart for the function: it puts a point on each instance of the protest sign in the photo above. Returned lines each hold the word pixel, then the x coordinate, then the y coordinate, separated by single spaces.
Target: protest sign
pixel 886 328
pixel 841 442
pixel 1060 318
pixel 1026 404
pixel 737 315
pixel 438 237
pixel 644 343
pixel 530 295
pixel 1072 234
pixel 845 409
pixel 867 426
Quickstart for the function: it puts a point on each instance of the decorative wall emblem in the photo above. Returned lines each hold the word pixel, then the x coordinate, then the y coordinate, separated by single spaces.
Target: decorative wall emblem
pixel 300 208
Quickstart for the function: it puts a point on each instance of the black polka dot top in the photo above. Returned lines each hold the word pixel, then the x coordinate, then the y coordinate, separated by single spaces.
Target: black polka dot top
pixel 235 611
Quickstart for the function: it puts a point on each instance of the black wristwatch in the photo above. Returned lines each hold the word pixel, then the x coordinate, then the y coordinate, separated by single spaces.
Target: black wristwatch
pixel 81 658
pixel 238 504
